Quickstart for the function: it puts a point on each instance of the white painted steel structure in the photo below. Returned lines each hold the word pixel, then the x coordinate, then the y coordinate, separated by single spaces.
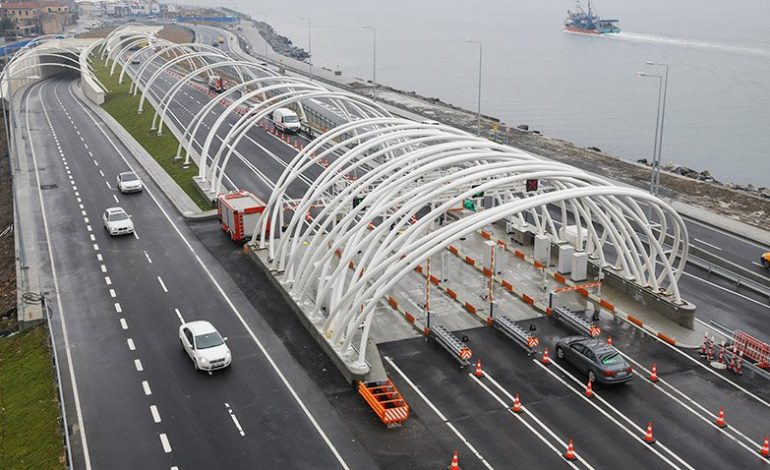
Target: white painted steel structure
pixel 385 194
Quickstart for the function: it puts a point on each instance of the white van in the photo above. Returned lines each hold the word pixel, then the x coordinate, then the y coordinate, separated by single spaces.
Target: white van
pixel 286 120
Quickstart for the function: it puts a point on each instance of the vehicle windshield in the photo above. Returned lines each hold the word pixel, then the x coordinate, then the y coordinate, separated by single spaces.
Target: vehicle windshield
pixel 611 359
pixel 209 340
pixel 290 118
pixel 118 216
pixel 129 177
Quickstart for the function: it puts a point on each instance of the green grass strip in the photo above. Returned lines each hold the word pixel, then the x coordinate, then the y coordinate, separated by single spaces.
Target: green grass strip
pixel 29 413
pixel 122 106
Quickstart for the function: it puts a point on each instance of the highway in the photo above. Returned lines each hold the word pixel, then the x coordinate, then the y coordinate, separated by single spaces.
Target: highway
pixel 121 300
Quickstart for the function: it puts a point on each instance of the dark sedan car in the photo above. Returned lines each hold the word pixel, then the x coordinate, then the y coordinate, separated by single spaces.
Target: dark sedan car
pixel 596 358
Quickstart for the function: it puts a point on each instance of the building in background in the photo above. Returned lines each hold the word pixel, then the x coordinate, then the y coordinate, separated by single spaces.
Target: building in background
pixel 35 18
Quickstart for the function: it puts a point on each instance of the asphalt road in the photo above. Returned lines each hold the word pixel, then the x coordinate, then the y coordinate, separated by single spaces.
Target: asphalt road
pixel 123 299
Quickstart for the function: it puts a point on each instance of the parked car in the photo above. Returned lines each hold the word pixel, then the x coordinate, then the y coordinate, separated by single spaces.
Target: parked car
pixel 117 221
pixel 129 182
pixel 600 361
pixel 766 260
pixel 205 346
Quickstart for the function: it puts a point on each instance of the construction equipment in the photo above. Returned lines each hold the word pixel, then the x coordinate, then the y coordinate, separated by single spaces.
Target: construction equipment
pixel 386 402
pixel 447 340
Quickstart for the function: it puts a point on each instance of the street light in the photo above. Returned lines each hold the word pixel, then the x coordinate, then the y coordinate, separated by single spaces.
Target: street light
pixel 478 109
pixel 654 178
pixel 662 121
pixel 264 21
pixel 374 61
pixel 309 48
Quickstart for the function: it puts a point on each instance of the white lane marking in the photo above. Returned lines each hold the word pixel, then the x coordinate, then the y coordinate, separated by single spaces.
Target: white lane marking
pixel 118 308
pixel 179 315
pixel 634 435
pixel 107 280
pixel 230 304
pixel 706 243
pixel 235 420
pixel 81 206
pixel 149 260
pixel 103 268
pixel 83 213
pixel 761 304
pixel 86 220
pixel 102 175
pixel 96 163
pixel 723 232
pixel 162 285
pixel 79 200
pixel 89 228
pixel 62 318
pixel 438 413
pixel 112 293
pixel 135 235
pixel 708 419
pixel 164 442
pixel 106 182
pixel 531 415
pixel 77 193
pixel 99 257
pixel 85 144
pixel 146 387
pixel 757 264
pixel 123 324
pixel 92 237
pixel 639 431
pixel 138 365
pixel 116 199
pixel 522 421
pixel 96 246
pixel 155 414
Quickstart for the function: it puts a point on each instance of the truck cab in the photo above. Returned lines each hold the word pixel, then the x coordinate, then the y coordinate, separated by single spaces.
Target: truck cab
pixel 216 84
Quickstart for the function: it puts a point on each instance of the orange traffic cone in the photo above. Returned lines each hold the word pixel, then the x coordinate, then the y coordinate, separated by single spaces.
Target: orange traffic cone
pixel 609 340
pixel 546 359
pixel 589 389
pixel 721 418
pixel 455 465
pixel 648 435
pixel 570 454
pixel 765 450
pixel 478 373
pixel 654 373
pixel 516 408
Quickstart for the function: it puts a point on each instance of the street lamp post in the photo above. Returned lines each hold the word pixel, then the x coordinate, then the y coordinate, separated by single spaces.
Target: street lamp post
pixel 662 121
pixel 478 108
pixel 374 61
pixel 309 48
pixel 264 21
pixel 655 161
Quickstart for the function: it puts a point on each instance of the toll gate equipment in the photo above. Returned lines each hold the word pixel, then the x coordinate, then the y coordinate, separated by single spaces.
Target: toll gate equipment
pixel 518 334
pixel 238 213
pixel 459 351
pixel 576 322
pixel 385 401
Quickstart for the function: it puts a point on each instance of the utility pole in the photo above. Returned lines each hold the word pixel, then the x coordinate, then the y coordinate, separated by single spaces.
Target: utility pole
pixel 478 107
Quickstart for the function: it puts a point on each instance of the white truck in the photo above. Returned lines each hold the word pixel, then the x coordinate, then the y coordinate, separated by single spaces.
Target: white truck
pixel 216 84
pixel 286 120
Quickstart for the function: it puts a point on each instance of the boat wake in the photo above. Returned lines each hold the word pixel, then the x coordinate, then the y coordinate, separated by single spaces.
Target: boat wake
pixel 687 43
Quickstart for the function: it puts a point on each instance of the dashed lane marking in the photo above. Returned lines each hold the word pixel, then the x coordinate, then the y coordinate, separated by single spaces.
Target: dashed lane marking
pixel 92 237
pixel 131 344
pixel 102 175
pixel 112 293
pixel 235 420
pixel 99 257
pixel 149 260
pixel 96 247
pixel 116 199
pixel 136 235
pixel 162 285
pixel 155 414
pixel 118 308
pixel 179 315
pixel 138 365
pixel 107 280
pixel 89 228
pixel 123 324
pixel 706 243
pixel 103 268
pixel 146 388
pixel 165 443
pixel 107 183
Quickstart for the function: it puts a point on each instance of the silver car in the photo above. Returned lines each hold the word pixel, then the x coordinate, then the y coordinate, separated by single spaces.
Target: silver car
pixel 596 358
pixel 129 182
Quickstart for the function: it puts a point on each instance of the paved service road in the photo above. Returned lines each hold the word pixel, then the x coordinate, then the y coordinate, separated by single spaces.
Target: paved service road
pixel 122 300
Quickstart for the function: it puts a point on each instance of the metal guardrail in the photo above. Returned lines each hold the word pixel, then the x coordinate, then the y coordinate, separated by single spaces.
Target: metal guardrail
pixel 447 340
pixel 740 281
pixel 576 322
pixel 519 335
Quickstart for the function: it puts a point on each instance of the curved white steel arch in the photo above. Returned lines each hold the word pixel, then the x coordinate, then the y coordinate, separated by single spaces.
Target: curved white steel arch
pixel 420 151
pixel 167 47
pixel 169 96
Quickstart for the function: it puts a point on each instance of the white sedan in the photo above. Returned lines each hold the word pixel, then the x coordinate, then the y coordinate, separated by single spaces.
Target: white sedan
pixel 205 346
pixel 117 221
pixel 129 182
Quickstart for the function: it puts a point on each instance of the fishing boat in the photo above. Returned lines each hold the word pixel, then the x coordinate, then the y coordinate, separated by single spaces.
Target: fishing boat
pixel 585 20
